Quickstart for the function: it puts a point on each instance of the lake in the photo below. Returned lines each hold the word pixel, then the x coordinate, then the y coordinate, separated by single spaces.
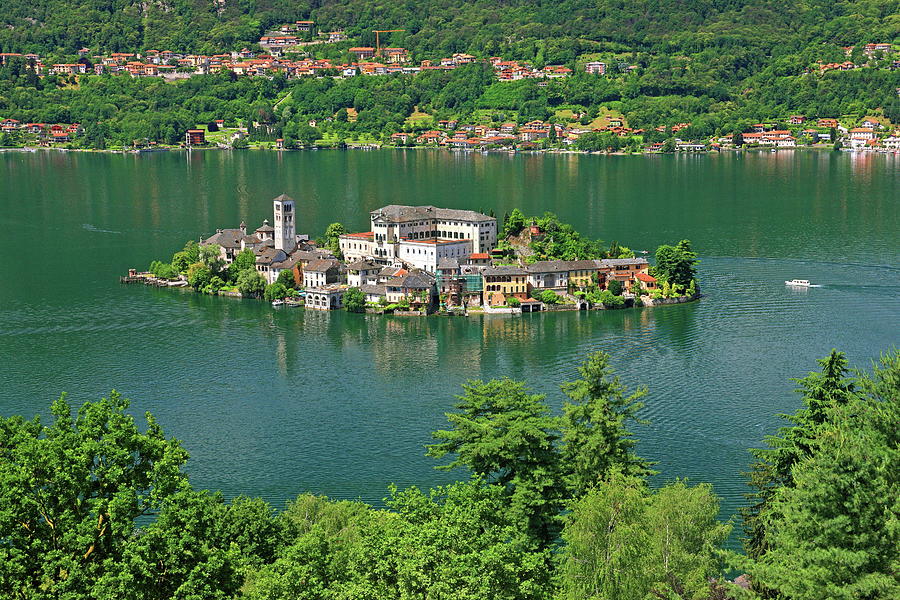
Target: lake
pixel 273 403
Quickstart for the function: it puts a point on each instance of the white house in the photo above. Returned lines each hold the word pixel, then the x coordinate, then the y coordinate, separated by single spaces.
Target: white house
pixel 362 272
pixel 425 254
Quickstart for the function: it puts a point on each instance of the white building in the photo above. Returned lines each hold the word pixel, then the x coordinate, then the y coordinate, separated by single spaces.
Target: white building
pixel 285 226
pixel 425 254
pixel 361 272
pixel 393 223
pixel 421 236
pixel 595 68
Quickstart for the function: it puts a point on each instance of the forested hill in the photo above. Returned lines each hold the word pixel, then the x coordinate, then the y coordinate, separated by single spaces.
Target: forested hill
pixel 543 30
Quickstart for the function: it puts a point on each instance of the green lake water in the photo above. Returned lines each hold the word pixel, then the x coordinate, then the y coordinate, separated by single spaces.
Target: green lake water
pixel 272 403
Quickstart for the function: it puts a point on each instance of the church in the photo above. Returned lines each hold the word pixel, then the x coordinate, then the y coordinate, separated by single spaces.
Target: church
pixel 277 248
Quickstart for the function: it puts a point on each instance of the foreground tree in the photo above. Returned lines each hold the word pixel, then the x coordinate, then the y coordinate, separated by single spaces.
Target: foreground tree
pixel 773 469
pixel 71 491
pixel 833 530
pixel 594 425
pixel 624 542
pixel 506 436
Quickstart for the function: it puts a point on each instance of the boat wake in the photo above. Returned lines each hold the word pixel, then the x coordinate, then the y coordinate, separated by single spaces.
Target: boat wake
pixel 89 227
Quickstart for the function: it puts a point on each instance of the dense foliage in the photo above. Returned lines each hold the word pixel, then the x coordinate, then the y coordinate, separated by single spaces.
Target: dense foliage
pixel 93 506
pixel 825 516
pixel 720 65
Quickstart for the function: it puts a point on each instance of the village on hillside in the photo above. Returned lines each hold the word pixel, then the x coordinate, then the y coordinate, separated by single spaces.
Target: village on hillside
pixel 413 260
pixel 289 50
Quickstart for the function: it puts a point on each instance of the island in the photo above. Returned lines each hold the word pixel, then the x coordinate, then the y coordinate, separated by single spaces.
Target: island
pixel 420 260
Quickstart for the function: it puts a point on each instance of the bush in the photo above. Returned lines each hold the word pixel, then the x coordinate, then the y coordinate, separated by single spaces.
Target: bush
pixel 550 297
pixel 163 270
pixel 513 302
pixel 615 287
pixel 251 283
pixel 215 284
pixel 355 300
pixel 610 300
pixel 275 291
pixel 199 275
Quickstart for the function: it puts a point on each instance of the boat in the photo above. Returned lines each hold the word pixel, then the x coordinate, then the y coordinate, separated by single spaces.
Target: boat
pixel 798 283
pixel 277 302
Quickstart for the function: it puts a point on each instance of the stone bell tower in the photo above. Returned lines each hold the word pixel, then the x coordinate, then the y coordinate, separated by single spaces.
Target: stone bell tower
pixel 285 225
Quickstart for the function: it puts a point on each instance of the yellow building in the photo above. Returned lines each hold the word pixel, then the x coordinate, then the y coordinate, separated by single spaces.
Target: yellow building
pixel 504 282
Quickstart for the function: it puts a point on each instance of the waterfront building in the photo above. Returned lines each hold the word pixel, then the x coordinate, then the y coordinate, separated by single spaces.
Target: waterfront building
pixel 322 272
pixel 622 270
pixel 503 282
pixel 195 137
pixel 362 272
pixel 285 227
pixel 330 297
pixel 558 275
pixel 276 248
pixel 417 287
pixel 421 236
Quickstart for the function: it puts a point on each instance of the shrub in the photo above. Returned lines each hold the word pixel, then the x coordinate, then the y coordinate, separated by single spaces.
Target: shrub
pixel 610 300
pixel 513 302
pixel 199 275
pixel 355 300
pixel 251 283
pixel 615 287
pixel 275 291
pixel 550 297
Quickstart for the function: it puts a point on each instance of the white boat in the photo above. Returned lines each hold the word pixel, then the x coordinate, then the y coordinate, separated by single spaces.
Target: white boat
pixel 277 302
pixel 798 283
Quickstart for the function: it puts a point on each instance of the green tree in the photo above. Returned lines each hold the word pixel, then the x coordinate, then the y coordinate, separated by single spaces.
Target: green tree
pixel 211 256
pixel 514 224
pixel 506 436
pixel 199 275
pixel 275 291
pixel 181 555
pixel 595 427
pixel 668 146
pixel 832 532
pixel 286 278
pixel 676 264
pixel 615 287
pixel 308 135
pixel 773 468
pixel 251 283
pixel 355 300
pixel 192 250
pixel 71 491
pixel 625 542
pixel 181 261
pixel 243 260
pixel 331 239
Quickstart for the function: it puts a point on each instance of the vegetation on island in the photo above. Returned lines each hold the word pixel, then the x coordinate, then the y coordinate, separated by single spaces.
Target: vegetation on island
pixel 718 66
pixel 94 505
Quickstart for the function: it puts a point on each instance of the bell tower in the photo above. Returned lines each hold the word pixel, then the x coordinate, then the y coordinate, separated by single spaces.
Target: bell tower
pixel 285 225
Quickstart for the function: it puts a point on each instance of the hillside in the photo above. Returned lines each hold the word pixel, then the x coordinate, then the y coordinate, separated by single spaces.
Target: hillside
pixel 558 31
pixel 720 65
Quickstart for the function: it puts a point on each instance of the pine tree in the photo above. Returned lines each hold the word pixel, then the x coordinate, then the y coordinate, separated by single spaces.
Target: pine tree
pixel 594 426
